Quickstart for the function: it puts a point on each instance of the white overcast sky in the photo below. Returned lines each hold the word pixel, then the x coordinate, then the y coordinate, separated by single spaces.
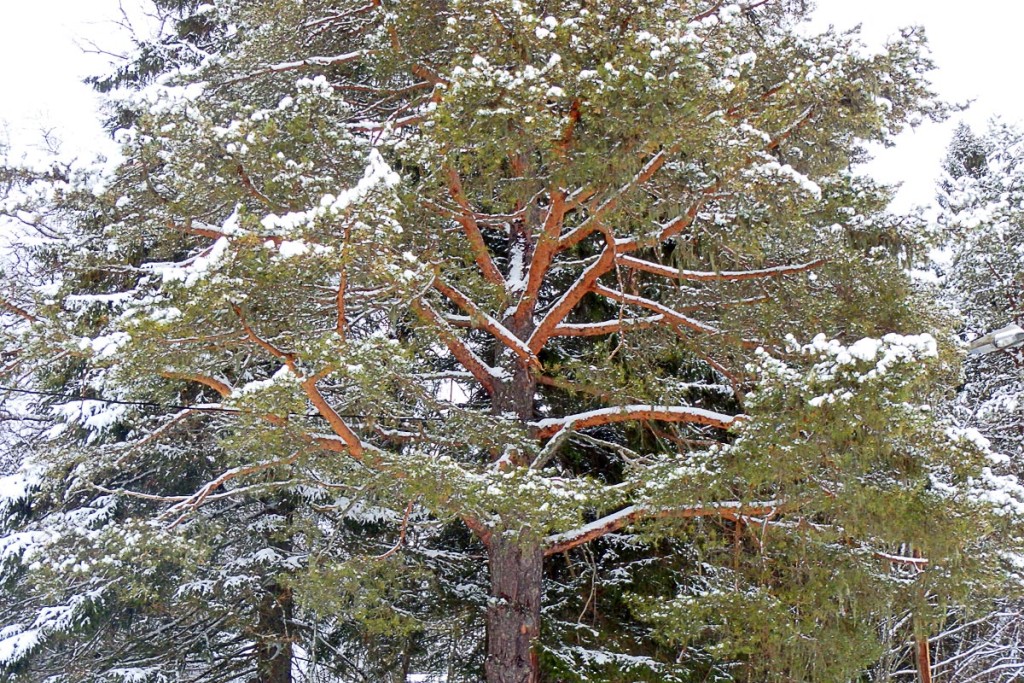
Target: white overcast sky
pixel 977 46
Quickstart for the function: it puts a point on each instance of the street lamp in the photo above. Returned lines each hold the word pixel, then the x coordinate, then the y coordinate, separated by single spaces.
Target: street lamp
pixel 1008 337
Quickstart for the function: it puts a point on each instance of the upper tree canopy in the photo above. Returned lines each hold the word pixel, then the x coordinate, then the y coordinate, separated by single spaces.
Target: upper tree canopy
pixel 545 271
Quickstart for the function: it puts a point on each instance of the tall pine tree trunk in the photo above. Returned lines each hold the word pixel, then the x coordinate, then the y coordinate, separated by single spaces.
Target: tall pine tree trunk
pixel 516 562
pixel 513 615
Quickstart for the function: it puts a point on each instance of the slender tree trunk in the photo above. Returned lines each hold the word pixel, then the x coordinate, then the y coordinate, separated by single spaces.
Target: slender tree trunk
pixel 924 660
pixel 275 612
pixel 274 644
pixel 513 615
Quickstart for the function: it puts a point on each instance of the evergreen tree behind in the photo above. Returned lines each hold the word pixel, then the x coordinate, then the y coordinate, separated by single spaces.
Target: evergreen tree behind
pixel 981 197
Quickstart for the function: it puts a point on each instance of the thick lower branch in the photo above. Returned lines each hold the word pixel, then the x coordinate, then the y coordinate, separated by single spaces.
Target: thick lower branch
pixel 550 427
pixel 559 543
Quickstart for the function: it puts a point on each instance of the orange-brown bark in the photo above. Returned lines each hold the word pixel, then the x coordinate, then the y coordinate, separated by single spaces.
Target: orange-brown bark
pixel 463 354
pixel 471 228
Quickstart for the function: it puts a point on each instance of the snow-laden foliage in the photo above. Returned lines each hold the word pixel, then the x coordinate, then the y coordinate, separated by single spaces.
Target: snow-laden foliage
pixel 435 320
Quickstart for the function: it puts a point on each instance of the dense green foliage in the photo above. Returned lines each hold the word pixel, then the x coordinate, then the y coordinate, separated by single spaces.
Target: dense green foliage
pixel 387 289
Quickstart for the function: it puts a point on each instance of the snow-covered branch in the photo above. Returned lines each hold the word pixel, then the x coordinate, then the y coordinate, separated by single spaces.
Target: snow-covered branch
pixel 669 314
pixel 602 416
pixel 593 222
pixel 716 276
pixel 482 320
pixel 543 254
pixel 482 372
pixel 467 220
pixel 733 510
pixel 606 327
pixel 573 295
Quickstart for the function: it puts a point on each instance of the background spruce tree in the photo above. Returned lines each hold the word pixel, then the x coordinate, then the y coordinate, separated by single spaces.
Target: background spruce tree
pixel 980 200
pixel 510 281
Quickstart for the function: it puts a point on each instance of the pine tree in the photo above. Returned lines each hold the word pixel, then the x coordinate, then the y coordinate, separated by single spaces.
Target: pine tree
pixel 519 282
pixel 980 197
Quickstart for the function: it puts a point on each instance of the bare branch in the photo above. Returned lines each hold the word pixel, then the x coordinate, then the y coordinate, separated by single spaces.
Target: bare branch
pixel 401 535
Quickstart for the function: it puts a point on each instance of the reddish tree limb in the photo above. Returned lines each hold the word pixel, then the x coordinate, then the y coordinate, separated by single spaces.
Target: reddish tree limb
pixel 592 222
pixel 787 132
pixel 479 529
pixel 463 354
pixel 190 504
pixel 339 297
pixel 472 230
pixel 18 311
pixel 339 303
pixel 255 191
pixel 429 75
pixel 222 388
pixel 562 146
pixel 543 254
pixel 214 234
pixel 677 225
pixel 486 322
pixel 338 425
pixel 573 295
pixel 547 428
pixel 606 327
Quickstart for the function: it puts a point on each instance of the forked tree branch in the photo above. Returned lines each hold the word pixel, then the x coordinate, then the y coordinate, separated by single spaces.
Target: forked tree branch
pixel 573 295
pixel 592 222
pixel 463 354
pixel 543 254
pixel 338 425
pixel 487 322
pixel 467 220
